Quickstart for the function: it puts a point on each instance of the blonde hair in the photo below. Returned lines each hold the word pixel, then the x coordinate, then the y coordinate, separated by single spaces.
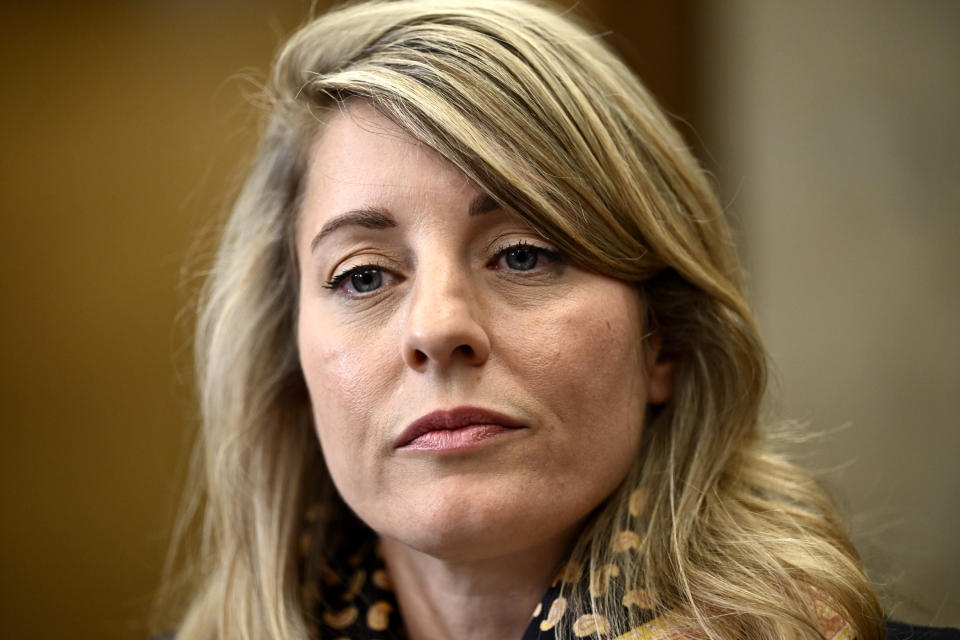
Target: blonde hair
pixel 734 542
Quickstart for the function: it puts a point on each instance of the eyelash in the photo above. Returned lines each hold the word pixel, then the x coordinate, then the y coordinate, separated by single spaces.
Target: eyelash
pixel 523 245
pixel 336 281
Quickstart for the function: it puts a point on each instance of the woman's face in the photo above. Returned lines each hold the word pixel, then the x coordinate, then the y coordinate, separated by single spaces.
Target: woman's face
pixel 474 394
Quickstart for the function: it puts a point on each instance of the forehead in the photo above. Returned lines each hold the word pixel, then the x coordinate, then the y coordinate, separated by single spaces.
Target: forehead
pixel 359 153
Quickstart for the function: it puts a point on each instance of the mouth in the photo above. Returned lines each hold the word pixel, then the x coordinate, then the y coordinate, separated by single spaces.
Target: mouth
pixel 458 428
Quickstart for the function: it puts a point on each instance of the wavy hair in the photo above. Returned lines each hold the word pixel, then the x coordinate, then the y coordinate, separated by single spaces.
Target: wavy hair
pixel 733 541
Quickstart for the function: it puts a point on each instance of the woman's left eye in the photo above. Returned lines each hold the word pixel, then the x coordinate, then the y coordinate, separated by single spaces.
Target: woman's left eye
pixel 525 257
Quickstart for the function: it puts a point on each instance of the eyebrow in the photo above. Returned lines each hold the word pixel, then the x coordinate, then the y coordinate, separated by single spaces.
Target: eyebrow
pixel 378 218
pixel 368 218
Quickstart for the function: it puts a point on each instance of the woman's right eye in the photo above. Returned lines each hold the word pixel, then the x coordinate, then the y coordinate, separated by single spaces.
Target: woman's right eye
pixel 358 280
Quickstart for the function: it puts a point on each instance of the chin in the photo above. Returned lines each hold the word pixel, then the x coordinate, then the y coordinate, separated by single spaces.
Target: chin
pixel 474 525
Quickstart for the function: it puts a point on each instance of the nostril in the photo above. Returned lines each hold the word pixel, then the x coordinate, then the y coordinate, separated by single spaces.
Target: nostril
pixel 458 339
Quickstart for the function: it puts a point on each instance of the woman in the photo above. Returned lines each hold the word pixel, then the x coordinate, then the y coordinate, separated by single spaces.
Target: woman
pixel 474 346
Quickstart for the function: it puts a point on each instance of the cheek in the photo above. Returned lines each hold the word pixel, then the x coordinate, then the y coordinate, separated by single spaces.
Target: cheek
pixel 336 380
pixel 342 363
pixel 344 392
pixel 585 369
pixel 588 357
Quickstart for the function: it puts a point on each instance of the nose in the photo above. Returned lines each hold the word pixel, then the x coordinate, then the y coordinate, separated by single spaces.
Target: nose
pixel 444 324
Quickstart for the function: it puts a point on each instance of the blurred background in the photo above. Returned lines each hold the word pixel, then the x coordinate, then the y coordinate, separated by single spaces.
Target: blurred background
pixel 831 128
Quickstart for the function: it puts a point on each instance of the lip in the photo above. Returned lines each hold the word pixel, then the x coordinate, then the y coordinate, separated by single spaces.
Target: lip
pixel 482 422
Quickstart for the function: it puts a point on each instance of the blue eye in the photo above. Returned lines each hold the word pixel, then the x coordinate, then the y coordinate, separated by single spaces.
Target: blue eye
pixel 525 257
pixel 366 280
pixel 362 279
pixel 522 258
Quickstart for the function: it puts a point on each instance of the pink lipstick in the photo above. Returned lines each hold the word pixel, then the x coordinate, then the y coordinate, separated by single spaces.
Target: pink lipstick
pixel 458 428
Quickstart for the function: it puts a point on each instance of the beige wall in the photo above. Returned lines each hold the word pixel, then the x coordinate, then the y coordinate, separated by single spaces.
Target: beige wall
pixel 835 129
pixel 120 129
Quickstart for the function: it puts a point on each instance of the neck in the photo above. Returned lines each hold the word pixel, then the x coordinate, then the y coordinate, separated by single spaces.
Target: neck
pixel 488 598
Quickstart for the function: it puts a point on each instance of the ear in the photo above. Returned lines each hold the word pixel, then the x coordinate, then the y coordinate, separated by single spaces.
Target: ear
pixel 659 372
